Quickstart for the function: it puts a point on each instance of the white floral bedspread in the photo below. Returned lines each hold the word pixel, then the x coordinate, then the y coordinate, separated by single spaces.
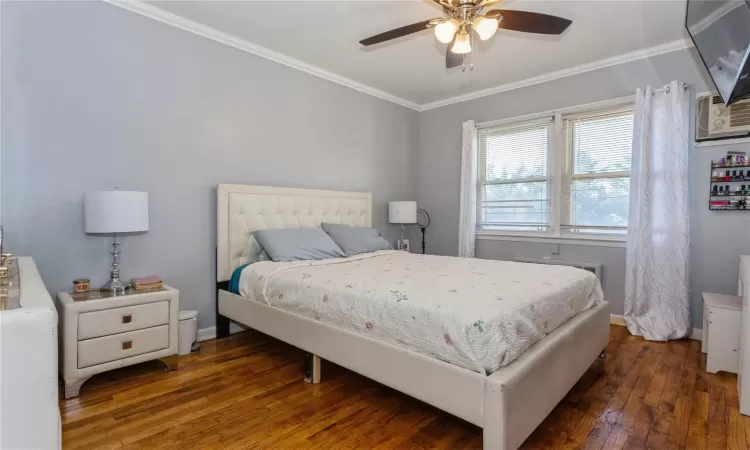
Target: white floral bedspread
pixel 474 313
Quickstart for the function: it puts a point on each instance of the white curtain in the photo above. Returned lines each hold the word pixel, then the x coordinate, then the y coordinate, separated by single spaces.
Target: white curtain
pixel 467 227
pixel 657 294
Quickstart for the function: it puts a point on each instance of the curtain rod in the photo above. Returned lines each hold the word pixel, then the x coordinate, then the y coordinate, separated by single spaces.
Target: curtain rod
pixel 666 89
pixel 567 110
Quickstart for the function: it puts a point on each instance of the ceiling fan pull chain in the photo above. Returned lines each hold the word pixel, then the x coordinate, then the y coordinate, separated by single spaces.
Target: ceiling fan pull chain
pixel 471 63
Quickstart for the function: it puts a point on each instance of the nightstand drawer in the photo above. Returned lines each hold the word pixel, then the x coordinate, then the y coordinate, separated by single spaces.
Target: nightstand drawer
pixel 124 345
pixel 120 320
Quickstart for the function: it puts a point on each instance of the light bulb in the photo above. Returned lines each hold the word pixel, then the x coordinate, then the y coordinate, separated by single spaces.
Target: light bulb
pixel 485 27
pixel 463 43
pixel 444 32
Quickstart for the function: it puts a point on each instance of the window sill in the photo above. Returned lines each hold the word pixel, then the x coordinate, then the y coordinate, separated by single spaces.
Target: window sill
pixel 592 241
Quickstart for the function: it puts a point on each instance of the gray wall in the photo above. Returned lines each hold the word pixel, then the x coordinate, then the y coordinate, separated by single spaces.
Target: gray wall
pixel 718 238
pixel 94 97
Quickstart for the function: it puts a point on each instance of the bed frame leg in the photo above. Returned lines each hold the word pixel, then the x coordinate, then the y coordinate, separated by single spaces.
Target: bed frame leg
pixel 222 322
pixel 312 368
pixel 222 326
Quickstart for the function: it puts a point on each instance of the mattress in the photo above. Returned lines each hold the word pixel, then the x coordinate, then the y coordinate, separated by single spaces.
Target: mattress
pixel 474 313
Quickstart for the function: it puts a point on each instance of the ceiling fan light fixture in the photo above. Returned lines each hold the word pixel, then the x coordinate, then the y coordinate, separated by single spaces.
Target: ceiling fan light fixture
pixel 462 44
pixel 445 31
pixel 485 27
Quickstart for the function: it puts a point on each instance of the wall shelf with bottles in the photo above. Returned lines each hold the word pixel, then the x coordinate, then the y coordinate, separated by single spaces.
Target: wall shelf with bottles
pixel 730 183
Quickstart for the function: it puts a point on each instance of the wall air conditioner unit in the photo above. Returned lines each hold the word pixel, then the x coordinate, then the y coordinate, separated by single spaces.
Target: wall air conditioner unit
pixel 596 269
pixel 716 121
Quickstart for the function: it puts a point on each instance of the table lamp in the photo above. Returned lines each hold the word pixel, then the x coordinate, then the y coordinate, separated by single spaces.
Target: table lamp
pixel 402 213
pixel 112 213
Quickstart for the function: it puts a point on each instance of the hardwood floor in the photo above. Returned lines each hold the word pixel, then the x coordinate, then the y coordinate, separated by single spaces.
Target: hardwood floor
pixel 247 392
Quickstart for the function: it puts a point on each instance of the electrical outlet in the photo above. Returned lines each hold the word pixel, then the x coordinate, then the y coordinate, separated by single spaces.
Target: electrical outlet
pixel 403 245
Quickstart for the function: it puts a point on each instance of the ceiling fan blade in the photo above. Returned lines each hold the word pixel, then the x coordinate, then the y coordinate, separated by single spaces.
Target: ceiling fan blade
pixel 530 22
pixel 452 59
pixel 400 32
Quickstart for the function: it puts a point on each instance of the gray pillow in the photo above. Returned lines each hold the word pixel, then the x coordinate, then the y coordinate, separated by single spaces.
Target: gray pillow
pixel 296 244
pixel 257 253
pixel 356 240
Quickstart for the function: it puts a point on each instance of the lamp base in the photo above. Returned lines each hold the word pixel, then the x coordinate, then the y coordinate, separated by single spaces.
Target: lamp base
pixel 115 287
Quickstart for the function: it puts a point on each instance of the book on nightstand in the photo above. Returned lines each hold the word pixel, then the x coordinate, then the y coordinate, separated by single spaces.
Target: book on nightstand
pixel 146 283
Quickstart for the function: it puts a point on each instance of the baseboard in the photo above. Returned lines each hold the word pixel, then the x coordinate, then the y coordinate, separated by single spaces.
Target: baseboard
pixel 205 334
pixel 697 334
pixel 616 319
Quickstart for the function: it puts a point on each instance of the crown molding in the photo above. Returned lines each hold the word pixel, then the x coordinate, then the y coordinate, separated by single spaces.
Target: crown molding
pixel 669 47
pixel 153 12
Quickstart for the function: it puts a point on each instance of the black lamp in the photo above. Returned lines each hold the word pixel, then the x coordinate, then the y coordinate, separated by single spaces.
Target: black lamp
pixel 421 215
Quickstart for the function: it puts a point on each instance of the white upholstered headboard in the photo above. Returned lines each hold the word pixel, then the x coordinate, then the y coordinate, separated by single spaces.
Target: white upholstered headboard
pixel 242 209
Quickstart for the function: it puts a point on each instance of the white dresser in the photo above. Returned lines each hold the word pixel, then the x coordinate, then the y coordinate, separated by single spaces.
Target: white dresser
pixel 29 413
pixel 101 332
pixel 743 375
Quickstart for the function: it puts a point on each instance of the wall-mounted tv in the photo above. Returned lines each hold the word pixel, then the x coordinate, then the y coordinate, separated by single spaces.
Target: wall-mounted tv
pixel 720 30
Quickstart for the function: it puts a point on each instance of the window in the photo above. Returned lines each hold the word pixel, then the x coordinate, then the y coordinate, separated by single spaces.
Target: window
pixel 596 182
pixel 514 177
pixel 565 175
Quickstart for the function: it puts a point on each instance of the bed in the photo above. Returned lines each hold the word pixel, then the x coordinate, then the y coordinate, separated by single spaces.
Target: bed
pixel 507 391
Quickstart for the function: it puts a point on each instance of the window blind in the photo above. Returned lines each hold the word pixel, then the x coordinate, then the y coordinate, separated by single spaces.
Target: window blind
pixel 596 179
pixel 513 177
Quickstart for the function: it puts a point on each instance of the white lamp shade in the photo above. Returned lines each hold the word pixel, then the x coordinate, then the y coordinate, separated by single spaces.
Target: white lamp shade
pixel 462 44
pixel 109 212
pixel 402 212
pixel 485 27
pixel 445 31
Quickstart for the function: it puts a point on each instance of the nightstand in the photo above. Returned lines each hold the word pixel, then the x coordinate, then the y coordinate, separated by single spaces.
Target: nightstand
pixel 722 327
pixel 101 332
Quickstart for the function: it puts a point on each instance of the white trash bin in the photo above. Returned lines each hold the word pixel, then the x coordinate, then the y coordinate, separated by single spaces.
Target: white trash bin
pixel 188 332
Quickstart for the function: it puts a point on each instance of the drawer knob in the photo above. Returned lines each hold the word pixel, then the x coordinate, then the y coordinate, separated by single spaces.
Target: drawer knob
pixel 127 345
pixel 127 318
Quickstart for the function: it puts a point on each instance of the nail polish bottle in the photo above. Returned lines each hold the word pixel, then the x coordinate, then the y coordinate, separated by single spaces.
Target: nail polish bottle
pixel 716 190
pixel 742 175
pixel 727 176
pixel 721 190
pixel 734 174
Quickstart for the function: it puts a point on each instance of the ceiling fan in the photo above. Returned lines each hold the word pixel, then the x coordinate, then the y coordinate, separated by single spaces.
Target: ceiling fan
pixel 467 15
